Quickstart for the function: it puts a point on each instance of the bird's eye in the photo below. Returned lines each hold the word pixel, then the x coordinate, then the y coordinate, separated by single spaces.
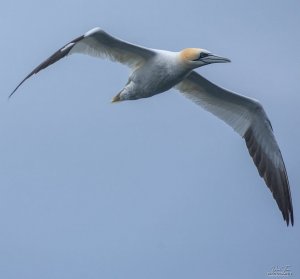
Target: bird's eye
pixel 203 54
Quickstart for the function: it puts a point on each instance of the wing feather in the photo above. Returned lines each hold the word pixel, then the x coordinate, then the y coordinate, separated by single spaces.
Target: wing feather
pixel 97 42
pixel 248 118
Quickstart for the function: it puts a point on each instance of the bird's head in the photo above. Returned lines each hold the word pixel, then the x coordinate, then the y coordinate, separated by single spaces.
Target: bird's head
pixel 197 57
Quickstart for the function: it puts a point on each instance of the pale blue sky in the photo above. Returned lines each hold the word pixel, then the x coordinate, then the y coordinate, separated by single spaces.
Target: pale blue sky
pixel 155 188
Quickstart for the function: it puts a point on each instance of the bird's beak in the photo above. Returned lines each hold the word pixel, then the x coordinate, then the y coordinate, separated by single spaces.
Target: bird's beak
pixel 211 58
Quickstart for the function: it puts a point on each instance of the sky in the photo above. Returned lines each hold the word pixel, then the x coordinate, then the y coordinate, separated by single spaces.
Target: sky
pixel 153 188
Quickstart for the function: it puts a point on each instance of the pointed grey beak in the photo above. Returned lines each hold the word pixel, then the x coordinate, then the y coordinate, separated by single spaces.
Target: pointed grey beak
pixel 211 58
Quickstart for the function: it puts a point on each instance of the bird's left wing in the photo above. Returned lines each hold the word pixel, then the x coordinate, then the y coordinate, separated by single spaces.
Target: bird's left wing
pixel 97 42
pixel 248 118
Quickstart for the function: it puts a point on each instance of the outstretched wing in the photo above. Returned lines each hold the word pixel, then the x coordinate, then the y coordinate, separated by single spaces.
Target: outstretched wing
pixel 98 43
pixel 248 118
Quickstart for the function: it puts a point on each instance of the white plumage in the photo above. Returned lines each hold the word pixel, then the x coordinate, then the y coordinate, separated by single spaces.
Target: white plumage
pixel 155 71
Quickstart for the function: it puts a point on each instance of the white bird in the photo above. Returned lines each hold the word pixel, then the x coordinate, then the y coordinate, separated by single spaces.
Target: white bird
pixel 155 71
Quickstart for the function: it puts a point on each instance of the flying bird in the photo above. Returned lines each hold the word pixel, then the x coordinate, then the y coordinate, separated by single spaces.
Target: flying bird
pixel 155 71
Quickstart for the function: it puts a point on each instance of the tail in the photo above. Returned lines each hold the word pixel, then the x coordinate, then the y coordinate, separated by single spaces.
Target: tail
pixel 117 98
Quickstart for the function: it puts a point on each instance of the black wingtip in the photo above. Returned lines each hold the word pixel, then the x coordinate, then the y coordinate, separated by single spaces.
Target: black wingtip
pixel 12 93
pixel 287 213
pixel 288 221
pixel 292 218
pixel 62 52
pixel 277 181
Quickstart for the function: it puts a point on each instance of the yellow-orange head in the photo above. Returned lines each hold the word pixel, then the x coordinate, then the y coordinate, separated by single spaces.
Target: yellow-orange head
pixel 196 57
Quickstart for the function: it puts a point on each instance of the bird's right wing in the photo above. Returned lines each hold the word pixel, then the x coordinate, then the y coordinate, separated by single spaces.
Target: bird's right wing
pixel 97 42
pixel 248 118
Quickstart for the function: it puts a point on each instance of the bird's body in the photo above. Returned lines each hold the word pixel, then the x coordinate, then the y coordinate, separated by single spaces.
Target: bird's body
pixel 156 71
pixel 157 75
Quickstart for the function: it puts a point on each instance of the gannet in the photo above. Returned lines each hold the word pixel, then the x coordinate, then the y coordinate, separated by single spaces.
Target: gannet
pixel 155 71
